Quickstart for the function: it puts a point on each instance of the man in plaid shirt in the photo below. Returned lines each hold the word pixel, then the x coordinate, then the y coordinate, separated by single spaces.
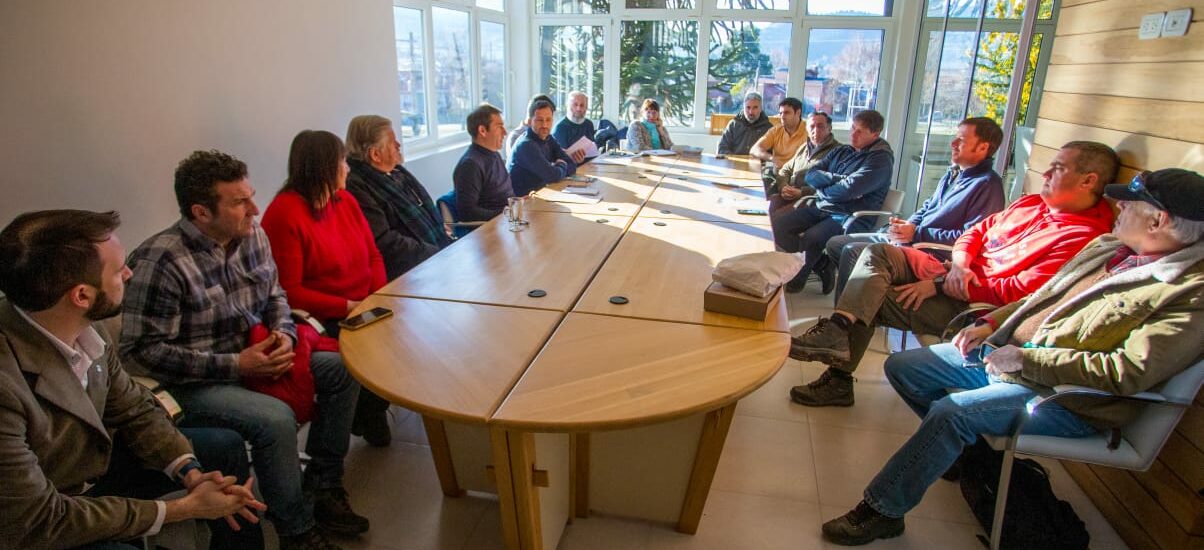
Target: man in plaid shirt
pixel 197 289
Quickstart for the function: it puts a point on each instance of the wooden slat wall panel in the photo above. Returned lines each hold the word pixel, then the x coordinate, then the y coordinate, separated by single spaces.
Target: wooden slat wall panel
pixel 1117 513
pixel 1181 120
pixel 1145 98
pixel 1110 15
pixel 1183 458
pixel 1136 150
pixel 1123 46
pixel 1171 81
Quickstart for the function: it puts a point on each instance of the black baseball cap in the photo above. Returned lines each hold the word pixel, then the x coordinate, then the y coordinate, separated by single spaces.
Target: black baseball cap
pixel 1178 191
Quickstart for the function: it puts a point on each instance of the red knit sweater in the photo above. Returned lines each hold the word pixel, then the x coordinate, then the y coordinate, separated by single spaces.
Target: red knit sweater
pixel 323 261
pixel 1015 251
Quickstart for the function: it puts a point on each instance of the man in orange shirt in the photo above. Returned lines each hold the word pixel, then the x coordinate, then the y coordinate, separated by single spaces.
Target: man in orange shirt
pixel 780 143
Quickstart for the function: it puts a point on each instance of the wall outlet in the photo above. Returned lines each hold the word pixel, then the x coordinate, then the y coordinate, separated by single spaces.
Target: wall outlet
pixel 1176 22
pixel 1151 26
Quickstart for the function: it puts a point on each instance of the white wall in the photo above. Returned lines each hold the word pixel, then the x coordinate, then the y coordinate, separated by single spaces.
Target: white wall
pixel 100 100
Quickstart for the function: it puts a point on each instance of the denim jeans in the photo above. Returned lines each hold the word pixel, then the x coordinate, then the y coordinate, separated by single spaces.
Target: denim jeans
pixel 217 449
pixel 951 421
pixel 270 427
pixel 805 229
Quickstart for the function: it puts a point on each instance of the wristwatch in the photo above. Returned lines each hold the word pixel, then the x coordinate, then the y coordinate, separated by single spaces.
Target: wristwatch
pixel 939 282
pixel 192 464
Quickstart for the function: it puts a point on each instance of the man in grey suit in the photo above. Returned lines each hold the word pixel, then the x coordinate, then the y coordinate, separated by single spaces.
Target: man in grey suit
pixel 79 440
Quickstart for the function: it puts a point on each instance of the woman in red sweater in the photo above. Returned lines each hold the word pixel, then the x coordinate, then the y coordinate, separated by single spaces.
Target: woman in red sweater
pixel 324 250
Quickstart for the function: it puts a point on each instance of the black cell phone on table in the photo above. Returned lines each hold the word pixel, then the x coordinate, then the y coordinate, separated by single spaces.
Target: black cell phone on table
pixel 366 318
pixel 752 211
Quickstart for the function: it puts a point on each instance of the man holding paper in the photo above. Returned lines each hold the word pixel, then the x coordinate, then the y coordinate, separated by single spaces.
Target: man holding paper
pixel 575 133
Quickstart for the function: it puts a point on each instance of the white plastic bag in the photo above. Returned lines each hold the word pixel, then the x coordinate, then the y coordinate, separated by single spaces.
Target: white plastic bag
pixel 758 274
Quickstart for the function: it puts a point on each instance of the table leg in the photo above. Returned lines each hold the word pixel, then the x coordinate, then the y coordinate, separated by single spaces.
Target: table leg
pixel 706 460
pixel 505 488
pixel 436 435
pixel 526 495
pixel 579 476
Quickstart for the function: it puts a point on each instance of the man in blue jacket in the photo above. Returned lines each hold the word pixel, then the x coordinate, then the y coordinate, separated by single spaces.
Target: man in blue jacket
pixel 970 191
pixel 851 178
pixel 537 159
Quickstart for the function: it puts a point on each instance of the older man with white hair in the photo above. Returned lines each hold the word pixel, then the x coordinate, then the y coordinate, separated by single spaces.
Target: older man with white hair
pixel 1119 317
pixel 746 128
pixel 574 126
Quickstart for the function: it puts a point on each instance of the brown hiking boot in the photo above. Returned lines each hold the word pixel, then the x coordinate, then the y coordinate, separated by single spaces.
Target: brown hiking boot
pixel 826 342
pixel 862 525
pixel 334 515
pixel 829 390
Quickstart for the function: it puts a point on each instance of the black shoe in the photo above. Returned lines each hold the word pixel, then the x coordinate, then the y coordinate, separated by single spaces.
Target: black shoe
pixel 796 285
pixel 829 390
pixel 374 428
pixel 309 540
pixel 827 342
pixel 334 515
pixel 861 526
pixel 827 277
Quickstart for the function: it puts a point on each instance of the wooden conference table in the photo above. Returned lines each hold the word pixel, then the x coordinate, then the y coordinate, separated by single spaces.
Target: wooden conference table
pixel 535 384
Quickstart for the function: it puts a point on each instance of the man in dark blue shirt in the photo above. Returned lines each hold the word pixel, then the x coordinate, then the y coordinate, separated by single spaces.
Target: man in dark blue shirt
pixel 537 159
pixel 970 191
pixel 481 182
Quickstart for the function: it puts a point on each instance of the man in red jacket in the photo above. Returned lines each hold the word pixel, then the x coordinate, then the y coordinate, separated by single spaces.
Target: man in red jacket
pixel 999 260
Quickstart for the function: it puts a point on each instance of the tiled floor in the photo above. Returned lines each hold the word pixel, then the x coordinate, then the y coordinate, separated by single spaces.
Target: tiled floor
pixel 785 470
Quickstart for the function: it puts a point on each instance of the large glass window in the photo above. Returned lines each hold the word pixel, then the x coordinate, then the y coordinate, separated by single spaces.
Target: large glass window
pixel 497 5
pixel 996 9
pixel 657 60
pixel 747 56
pixel 407 25
pixel 661 4
pixel 572 6
pixel 752 4
pixel 842 72
pixel 453 58
pixel 853 7
pixel 493 63
pixel 570 59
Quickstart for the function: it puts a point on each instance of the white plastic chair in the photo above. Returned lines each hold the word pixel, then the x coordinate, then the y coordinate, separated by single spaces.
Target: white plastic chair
pixel 1136 448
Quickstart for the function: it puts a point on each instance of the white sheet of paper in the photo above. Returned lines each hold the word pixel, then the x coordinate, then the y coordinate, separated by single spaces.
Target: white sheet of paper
pixel 659 152
pixel 583 144
pixel 551 195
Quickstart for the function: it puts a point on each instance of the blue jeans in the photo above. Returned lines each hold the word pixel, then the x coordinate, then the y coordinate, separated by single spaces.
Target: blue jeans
pixel 951 421
pixel 270 427
pixel 816 227
pixel 215 448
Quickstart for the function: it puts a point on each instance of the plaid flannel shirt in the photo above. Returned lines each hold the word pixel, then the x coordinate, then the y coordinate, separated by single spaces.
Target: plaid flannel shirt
pixel 191 303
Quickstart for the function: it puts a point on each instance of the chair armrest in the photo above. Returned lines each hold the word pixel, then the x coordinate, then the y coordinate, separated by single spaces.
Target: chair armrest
pixel 864 213
pixel 933 246
pixel 1070 390
pixel 302 316
pixel 976 309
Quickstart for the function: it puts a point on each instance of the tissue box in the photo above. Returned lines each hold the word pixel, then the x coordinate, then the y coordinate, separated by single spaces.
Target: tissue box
pixel 721 299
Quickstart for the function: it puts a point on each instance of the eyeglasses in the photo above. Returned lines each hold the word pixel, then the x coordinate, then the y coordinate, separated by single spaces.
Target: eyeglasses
pixel 1138 186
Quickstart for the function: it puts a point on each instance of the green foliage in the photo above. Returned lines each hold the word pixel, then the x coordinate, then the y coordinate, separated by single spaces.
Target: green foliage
pixel 658 61
pixel 997 61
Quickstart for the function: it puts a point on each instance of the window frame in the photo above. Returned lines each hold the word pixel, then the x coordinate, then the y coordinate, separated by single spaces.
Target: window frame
pixel 434 139
pixel 704 13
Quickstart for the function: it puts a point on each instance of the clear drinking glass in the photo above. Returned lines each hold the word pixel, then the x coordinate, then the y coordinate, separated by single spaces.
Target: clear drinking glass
pixel 515 214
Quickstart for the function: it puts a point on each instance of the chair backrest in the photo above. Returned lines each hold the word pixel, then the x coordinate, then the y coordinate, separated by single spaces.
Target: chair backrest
pixel 892 203
pixel 1150 431
pixel 447 209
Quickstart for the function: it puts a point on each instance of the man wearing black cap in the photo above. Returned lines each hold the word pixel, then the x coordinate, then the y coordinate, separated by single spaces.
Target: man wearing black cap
pixel 1120 317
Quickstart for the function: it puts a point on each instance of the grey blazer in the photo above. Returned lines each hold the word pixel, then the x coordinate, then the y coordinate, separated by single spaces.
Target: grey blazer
pixel 55 438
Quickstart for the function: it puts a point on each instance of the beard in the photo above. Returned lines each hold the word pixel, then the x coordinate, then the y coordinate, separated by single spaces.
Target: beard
pixel 103 308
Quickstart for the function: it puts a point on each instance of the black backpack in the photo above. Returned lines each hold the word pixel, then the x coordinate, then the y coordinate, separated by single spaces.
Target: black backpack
pixel 1034 516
